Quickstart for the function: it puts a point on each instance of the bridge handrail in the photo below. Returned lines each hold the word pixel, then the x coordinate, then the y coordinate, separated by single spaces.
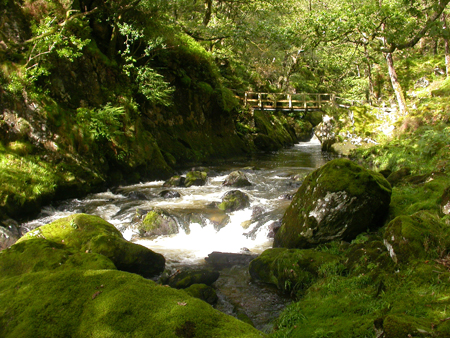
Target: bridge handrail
pixel 305 101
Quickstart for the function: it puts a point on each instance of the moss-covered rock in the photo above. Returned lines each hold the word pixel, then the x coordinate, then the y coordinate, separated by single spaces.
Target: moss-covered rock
pixel 40 254
pixel 337 201
pixel 397 176
pixel 234 200
pixel 186 278
pixel 420 236
pixel 157 223
pixel 107 303
pixel 401 325
pixel 195 178
pixel 175 181
pixel 92 234
pixel 237 179
pixel 290 270
pixel 203 292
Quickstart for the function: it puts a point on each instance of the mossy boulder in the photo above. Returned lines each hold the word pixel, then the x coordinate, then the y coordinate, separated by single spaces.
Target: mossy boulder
pixel 237 179
pixel 203 292
pixel 175 181
pixel 195 178
pixel 419 236
pixel 290 270
pixel 157 223
pixel 92 234
pixel 107 303
pixel 397 176
pixel 401 325
pixel 186 278
pixel 370 257
pixel 234 200
pixel 40 254
pixel 336 202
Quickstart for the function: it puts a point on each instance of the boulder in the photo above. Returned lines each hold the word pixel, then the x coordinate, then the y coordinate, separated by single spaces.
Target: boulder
pixel 445 201
pixel 184 279
pixel 336 202
pixel 174 181
pixel 325 132
pixel 107 303
pixel 39 254
pixel 221 260
pixel 290 270
pixel 91 234
pixel 157 223
pixel 195 178
pixel 237 179
pixel 419 236
pixel 234 200
pixel 203 292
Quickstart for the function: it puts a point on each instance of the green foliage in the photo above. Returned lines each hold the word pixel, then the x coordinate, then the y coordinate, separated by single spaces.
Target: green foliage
pixel 103 124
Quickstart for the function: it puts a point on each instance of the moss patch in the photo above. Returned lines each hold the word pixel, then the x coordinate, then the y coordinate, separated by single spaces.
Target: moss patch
pixel 106 303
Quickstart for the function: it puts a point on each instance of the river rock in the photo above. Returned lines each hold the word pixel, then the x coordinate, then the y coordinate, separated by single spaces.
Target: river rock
pixel 234 200
pixel 325 132
pixel 221 260
pixel 157 223
pixel 336 202
pixel 203 292
pixel 169 194
pixel 175 181
pixel 186 278
pixel 9 233
pixel 195 178
pixel 91 234
pixel 237 179
pixel 419 236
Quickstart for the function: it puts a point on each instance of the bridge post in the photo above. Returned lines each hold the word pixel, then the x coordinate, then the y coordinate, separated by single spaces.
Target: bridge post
pixel 319 100
pixel 290 100
pixel 259 100
pixel 304 101
pixel 245 99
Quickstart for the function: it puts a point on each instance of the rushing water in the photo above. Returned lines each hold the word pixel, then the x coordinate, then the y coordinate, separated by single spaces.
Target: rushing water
pixel 272 177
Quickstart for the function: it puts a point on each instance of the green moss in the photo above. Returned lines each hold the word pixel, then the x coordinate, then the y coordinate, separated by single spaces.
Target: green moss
pixel 87 233
pixel 43 255
pixel 151 221
pixel 105 303
pixel 292 270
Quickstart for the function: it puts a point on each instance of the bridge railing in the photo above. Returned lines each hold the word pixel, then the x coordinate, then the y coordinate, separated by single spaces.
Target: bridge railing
pixel 278 101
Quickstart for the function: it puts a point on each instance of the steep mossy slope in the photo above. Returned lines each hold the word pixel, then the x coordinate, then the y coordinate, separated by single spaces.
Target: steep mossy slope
pixel 90 98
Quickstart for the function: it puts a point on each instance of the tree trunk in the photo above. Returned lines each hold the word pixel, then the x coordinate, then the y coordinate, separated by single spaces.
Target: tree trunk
pixel 396 85
pixel 208 12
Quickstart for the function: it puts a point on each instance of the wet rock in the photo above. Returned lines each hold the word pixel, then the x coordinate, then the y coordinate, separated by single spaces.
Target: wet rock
pixel 186 278
pixel 234 200
pixel 420 236
pixel 91 234
pixel 290 270
pixel 157 223
pixel 174 181
pixel 9 233
pixel 237 179
pixel 286 197
pixel 195 178
pixel 336 202
pixel 221 260
pixel 273 228
pixel 203 292
pixel 137 195
pixel 169 194
pixel 325 134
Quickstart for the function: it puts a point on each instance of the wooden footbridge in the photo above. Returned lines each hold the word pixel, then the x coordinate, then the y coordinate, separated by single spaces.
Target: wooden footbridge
pixel 288 102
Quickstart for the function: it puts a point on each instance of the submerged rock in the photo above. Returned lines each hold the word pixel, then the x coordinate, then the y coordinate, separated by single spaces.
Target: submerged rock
pixel 169 194
pixel 234 200
pixel 174 181
pixel 221 260
pixel 336 202
pixel 91 234
pixel 237 179
pixel 9 233
pixel 203 292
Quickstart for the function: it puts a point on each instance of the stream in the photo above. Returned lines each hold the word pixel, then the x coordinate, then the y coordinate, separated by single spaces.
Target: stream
pixel 274 176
